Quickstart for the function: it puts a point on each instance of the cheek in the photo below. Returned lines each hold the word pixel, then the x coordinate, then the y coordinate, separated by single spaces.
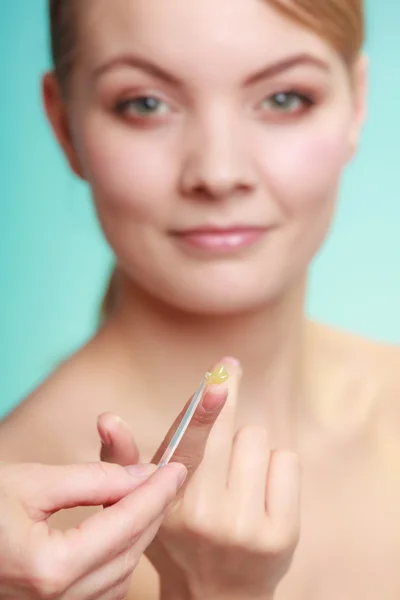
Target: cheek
pixel 302 172
pixel 304 167
pixel 129 172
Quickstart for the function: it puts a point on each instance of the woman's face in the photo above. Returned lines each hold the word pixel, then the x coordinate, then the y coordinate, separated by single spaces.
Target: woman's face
pixel 213 134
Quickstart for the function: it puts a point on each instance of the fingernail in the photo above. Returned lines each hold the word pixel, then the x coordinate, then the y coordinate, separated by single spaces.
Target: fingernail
pixel 141 471
pixel 105 438
pixel 213 398
pixel 180 472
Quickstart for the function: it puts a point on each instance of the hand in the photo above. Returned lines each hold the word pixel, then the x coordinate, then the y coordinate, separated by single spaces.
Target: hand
pixel 233 529
pixel 94 560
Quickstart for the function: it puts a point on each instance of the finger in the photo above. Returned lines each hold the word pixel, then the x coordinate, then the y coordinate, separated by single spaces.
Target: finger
pixel 217 454
pixel 115 593
pixel 191 448
pixel 45 489
pixel 119 591
pixel 248 473
pixel 114 572
pixel 283 493
pixel 118 445
pixel 110 532
pixel 103 584
pixel 110 575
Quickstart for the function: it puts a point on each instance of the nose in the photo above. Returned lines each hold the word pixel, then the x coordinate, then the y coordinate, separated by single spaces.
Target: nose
pixel 217 162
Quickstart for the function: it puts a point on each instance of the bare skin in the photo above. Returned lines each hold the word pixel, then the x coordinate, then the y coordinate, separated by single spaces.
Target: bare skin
pixel 250 127
pixel 348 444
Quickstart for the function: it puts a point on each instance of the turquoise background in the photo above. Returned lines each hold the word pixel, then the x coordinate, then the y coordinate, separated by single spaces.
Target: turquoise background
pixel 54 261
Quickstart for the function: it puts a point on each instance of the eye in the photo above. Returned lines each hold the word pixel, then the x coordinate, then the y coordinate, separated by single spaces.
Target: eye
pixel 143 106
pixel 287 102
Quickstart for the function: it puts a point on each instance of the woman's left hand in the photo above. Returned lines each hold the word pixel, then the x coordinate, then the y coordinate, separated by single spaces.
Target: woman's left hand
pixel 233 529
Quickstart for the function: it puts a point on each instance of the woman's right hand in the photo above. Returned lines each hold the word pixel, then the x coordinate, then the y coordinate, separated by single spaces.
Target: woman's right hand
pixel 94 560
pixel 232 531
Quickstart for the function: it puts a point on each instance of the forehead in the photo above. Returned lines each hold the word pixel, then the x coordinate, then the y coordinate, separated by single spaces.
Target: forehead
pixel 184 33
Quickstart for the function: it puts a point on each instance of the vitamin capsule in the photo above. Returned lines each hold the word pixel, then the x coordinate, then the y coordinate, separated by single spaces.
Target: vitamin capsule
pixel 218 376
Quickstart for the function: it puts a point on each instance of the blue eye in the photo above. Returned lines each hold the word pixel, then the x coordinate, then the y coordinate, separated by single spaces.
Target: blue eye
pixel 143 106
pixel 287 102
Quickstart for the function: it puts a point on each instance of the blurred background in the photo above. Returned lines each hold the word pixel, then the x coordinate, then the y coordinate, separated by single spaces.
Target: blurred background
pixel 54 263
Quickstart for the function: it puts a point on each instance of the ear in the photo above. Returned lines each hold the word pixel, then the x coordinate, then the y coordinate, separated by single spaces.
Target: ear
pixel 360 89
pixel 56 112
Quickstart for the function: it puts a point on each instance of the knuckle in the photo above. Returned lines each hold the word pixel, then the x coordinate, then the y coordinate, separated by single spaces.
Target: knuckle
pixel 121 589
pixel 191 452
pixel 103 470
pixel 284 541
pixel 120 593
pixel 241 536
pixel 190 460
pixel 128 564
pixel 195 529
pixel 137 530
pixel 47 576
pixel 244 537
pixel 53 568
pixel 198 524
pixel 203 419
pixel 276 546
pixel 252 439
pixel 251 432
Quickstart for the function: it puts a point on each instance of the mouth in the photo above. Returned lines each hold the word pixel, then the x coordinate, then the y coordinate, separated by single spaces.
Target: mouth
pixel 218 240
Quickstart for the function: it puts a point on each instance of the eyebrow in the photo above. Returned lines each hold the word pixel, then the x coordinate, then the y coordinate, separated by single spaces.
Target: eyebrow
pixel 271 70
pixel 298 60
pixel 137 62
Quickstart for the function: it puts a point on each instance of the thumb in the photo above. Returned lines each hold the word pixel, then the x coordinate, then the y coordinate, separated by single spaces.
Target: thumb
pixel 46 489
pixel 118 445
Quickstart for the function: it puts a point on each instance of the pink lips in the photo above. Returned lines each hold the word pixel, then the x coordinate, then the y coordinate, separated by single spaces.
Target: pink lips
pixel 217 240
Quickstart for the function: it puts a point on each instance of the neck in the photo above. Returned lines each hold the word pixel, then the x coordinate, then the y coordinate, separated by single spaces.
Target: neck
pixel 171 351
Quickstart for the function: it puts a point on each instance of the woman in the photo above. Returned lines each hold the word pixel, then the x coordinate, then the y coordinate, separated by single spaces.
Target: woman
pixel 213 136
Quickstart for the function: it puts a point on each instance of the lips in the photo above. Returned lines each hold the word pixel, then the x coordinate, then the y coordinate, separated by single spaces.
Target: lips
pixel 221 240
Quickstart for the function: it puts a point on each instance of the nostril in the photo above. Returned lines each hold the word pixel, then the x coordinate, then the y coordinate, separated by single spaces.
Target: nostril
pixel 218 190
pixel 217 175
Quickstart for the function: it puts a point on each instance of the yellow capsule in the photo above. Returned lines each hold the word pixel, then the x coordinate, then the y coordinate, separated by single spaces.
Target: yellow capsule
pixel 218 376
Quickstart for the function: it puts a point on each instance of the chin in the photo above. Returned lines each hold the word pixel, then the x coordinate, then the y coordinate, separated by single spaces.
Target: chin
pixel 219 289
pixel 222 301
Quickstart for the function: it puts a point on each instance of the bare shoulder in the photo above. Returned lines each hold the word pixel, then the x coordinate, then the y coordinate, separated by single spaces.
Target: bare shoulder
pixel 56 424
pixel 371 362
pixel 367 385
